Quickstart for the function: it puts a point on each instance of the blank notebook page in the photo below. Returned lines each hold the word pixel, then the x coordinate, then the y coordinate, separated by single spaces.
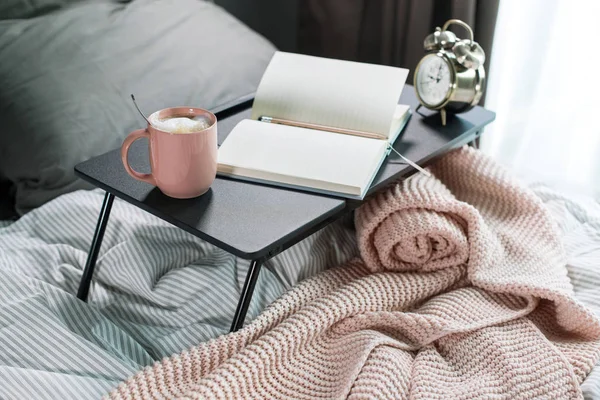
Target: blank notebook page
pixel 329 92
pixel 306 154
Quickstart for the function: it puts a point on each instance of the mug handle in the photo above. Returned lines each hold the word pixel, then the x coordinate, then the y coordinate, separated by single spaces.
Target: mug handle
pixel 132 137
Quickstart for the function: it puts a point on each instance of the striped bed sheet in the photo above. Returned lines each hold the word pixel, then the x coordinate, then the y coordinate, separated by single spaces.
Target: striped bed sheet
pixel 158 290
pixel 578 218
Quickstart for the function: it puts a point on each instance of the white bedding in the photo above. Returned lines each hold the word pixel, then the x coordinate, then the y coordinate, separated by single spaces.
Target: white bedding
pixel 158 290
pixel 579 221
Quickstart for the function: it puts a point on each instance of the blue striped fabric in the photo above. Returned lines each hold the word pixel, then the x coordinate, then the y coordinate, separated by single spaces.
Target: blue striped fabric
pixel 157 290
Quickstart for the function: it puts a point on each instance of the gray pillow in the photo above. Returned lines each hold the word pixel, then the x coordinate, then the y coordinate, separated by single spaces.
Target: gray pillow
pixel 11 9
pixel 65 81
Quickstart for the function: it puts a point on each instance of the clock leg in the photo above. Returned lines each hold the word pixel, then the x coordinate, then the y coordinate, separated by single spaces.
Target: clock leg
pixel 443 114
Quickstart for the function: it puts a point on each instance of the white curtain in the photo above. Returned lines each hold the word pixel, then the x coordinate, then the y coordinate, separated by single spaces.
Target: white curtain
pixel 544 85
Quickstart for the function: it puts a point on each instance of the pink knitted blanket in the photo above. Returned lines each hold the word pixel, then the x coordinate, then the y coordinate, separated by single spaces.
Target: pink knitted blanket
pixel 462 293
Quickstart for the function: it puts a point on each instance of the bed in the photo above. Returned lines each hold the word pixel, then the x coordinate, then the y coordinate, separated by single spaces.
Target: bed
pixel 68 68
pixel 157 290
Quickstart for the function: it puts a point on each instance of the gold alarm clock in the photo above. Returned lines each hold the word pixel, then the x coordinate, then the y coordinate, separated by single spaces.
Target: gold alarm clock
pixel 451 77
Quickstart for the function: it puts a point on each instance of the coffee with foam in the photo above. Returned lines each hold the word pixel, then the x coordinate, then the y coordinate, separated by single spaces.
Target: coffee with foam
pixel 180 124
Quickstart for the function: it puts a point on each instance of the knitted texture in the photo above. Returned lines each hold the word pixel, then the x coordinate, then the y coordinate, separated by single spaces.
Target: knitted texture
pixel 462 293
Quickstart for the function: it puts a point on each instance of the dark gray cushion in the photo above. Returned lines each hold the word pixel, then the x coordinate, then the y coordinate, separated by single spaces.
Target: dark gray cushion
pixel 13 9
pixel 65 81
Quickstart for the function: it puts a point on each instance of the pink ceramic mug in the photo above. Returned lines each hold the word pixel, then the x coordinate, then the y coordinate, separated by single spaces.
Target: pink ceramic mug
pixel 183 165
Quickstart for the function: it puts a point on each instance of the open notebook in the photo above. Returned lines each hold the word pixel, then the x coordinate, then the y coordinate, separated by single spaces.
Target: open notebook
pixel 331 93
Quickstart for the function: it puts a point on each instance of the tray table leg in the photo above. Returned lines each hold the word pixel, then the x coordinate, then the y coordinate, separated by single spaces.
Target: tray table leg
pixel 477 141
pixel 246 296
pixel 88 271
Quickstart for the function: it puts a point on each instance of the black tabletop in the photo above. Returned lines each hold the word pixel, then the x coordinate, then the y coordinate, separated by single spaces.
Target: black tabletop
pixel 256 221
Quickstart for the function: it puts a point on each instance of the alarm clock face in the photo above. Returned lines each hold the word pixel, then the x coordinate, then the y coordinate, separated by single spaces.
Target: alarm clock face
pixel 434 80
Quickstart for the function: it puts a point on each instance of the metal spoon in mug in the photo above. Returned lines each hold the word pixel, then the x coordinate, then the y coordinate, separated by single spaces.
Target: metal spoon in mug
pixel 140 111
